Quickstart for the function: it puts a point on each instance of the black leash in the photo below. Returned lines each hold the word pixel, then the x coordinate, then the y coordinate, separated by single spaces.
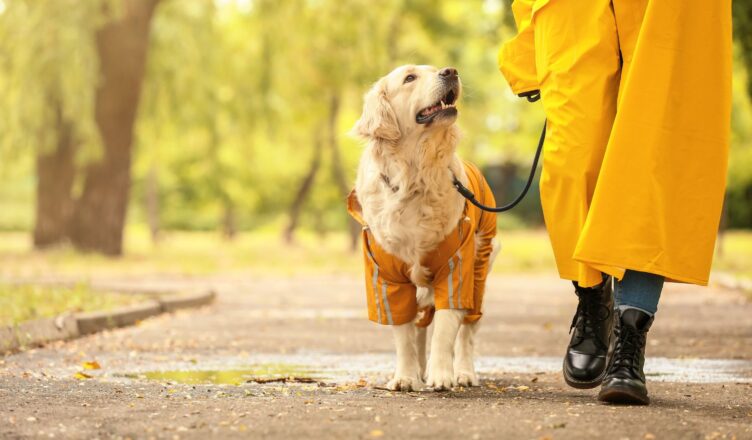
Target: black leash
pixel 466 193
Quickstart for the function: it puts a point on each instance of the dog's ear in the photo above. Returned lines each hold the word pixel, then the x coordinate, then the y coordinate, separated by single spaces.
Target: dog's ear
pixel 378 120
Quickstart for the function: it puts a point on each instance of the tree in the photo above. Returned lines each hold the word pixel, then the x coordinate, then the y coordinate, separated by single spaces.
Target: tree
pixel 742 17
pixel 99 215
pixel 78 88
pixel 45 82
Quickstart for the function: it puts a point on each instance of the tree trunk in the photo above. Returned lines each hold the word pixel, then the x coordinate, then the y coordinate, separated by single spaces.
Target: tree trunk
pixel 229 227
pixel 340 177
pixel 55 175
pixel 99 217
pixel 305 188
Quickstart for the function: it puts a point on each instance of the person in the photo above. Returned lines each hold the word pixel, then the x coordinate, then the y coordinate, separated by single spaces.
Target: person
pixel 637 96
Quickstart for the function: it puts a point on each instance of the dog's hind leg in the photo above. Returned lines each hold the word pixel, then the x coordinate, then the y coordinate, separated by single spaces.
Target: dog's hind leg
pixel 464 346
pixel 464 356
pixel 407 376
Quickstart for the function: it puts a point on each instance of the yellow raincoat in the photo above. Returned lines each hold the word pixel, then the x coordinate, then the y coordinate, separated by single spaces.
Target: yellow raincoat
pixel 458 269
pixel 638 99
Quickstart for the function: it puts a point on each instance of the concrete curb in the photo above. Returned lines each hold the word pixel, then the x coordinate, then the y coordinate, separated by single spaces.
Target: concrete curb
pixel 93 322
pixel 176 302
pixel 69 326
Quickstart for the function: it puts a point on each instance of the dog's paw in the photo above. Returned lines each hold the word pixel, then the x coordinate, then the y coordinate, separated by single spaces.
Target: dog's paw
pixel 405 383
pixel 467 379
pixel 440 379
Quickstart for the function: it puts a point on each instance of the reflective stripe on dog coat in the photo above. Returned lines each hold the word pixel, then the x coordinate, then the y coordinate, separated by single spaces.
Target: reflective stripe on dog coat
pixel 458 277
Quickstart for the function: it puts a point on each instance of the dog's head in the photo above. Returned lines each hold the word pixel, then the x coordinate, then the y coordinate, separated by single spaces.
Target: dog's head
pixel 409 100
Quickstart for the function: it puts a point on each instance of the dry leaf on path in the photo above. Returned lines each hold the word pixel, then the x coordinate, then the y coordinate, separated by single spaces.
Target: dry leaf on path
pixel 91 365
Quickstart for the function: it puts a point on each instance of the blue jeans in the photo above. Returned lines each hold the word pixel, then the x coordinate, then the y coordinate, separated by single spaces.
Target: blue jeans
pixel 639 290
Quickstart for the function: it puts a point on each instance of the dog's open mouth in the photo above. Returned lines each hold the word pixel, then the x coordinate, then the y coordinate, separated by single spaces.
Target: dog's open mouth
pixel 445 106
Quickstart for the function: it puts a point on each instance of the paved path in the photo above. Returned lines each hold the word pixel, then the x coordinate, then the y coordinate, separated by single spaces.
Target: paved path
pixel 315 327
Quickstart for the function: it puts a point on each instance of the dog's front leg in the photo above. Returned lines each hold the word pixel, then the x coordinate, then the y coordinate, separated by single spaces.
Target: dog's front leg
pixel 440 365
pixel 425 299
pixel 421 344
pixel 407 376
pixel 464 365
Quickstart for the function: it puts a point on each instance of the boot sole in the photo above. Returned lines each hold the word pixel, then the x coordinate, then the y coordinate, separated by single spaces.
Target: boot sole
pixel 582 385
pixel 623 395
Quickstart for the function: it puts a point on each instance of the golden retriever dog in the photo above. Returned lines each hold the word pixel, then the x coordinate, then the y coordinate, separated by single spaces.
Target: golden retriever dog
pixel 409 206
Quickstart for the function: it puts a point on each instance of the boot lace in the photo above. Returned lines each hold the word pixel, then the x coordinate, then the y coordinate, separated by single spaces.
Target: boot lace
pixel 590 312
pixel 629 346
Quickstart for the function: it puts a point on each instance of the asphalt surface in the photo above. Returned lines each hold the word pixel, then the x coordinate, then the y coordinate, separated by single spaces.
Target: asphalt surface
pixel 152 380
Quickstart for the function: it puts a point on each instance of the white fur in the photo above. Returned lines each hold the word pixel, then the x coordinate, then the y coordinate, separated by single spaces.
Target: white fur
pixel 414 212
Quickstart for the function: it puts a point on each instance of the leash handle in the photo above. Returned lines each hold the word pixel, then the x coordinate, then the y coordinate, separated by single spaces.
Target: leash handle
pixel 466 193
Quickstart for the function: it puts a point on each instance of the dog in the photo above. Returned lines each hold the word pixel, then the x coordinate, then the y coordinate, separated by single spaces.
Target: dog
pixel 427 251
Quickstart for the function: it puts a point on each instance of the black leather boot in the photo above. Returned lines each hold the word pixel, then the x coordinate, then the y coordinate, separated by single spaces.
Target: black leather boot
pixel 625 380
pixel 586 359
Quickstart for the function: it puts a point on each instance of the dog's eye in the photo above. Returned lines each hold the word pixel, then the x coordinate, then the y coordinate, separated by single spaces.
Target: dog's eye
pixel 410 78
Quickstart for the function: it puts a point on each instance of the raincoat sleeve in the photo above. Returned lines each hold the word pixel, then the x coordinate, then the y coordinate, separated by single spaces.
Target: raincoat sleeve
pixel 517 56
pixel 486 231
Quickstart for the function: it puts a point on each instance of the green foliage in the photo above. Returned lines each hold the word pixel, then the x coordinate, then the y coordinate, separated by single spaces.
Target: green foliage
pixel 739 195
pixel 238 91
pixel 742 15
pixel 48 71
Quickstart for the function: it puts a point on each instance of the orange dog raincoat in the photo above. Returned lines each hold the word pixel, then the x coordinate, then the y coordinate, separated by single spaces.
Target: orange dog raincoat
pixel 459 271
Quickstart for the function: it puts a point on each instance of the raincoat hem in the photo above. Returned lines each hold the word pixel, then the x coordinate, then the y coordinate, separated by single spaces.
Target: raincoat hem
pixel 669 275
pixel 406 319
pixel 396 319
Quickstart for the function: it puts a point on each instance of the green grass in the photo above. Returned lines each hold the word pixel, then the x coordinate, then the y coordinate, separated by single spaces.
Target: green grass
pixel 734 254
pixel 184 253
pixel 20 303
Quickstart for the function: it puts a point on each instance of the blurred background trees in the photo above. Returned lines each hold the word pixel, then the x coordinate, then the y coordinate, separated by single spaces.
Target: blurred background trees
pixel 232 115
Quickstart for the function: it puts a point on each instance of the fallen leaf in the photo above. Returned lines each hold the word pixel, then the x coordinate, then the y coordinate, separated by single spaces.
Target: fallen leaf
pixel 649 436
pixel 91 365
pixel 377 433
pixel 79 375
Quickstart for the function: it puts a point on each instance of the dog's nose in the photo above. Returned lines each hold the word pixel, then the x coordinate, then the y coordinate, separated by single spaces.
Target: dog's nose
pixel 448 72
